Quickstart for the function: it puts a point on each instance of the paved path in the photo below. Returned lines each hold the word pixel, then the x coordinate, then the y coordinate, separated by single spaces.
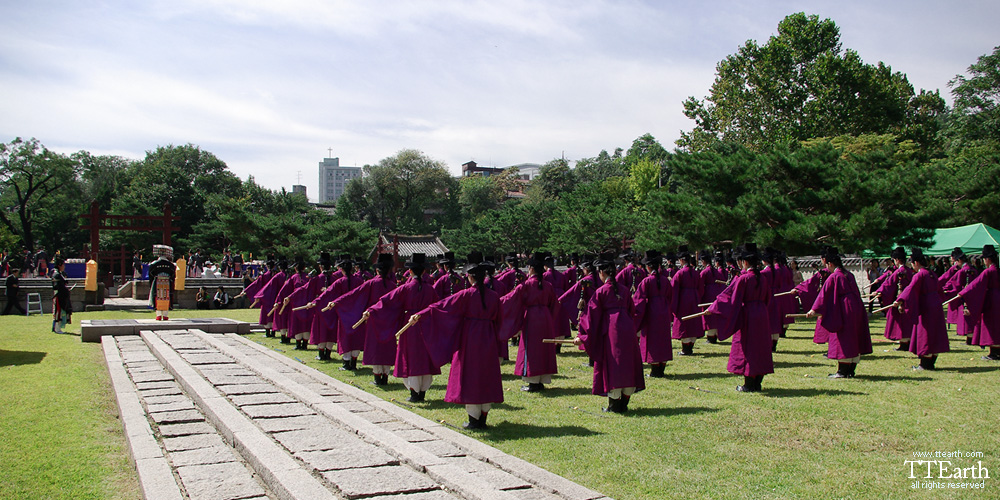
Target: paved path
pixel 213 416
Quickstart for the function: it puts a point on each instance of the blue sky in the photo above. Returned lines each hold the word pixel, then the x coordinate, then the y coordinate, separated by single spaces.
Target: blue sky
pixel 269 86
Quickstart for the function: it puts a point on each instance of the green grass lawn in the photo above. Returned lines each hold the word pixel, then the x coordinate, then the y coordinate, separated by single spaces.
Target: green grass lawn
pixel 689 435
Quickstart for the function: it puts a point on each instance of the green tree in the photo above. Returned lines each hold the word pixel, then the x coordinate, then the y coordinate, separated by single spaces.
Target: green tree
pixel 643 177
pixel 37 185
pixel 800 85
pixel 975 118
pixel 555 178
pixel 601 167
pixel 479 195
pixel 593 218
pixel 406 192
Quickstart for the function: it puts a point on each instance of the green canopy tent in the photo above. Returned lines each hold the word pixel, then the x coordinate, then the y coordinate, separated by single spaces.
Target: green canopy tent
pixel 969 238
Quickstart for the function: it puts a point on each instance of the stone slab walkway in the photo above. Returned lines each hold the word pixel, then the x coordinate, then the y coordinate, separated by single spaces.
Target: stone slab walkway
pixel 215 416
pixel 93 330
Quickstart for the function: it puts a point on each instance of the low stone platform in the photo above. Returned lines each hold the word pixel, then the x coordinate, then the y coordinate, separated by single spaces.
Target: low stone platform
pixel 211 416
pixel 93 330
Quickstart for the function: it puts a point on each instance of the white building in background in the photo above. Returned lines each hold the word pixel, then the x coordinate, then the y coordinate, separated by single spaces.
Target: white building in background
pixel 527 171
pixel 333 179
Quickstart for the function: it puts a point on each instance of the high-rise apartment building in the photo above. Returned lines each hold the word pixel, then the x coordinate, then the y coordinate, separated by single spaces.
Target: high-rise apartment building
pixel 333 179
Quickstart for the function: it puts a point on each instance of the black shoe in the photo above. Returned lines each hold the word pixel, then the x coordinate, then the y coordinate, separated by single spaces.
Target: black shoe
pixel 623 403
pixel 782 335
pixel 321 356
pixel 851 370
pixel 903 346
pixel 968 340
pixel 843 371
pixel 422 395
pixel 774 346
pixel 354 364
pixel 533 387
pixel 712 340
pixel 514 342
pixel 286 340
pixel 473 423
pixel 346 366
pixel 414 397
pixel 687 349
pixel 482 420
pixel 748 385
pixel 657 370
pixel 758 382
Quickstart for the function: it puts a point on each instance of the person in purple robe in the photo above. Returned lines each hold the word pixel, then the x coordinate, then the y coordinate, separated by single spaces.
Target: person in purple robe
pixel 282 315
pixel 981 300
pixel 633 273
pixel 843 322
pixel 513 275
pixel 326 330
pixel 774 311
pixel 946 293
pixel 258 283
pixel 743 307
pixel 652 301
pixel 573 272
pixel 301 318
pixel 898 323
pixel 959 279
pixel 351 307
pixel 531 308
pixel 670 268
pixel 266 295
pixel 608 334
pixel 362 269
pixel 574 300
pixel 558 282
pixel 464 329
pixel 714 281
pixel 808 290
pixel 450 281
pixel 391 312
pixel 922 298
pixel 687 291
pixel 787 304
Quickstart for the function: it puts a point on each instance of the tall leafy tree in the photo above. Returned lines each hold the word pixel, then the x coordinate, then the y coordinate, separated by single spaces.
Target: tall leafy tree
pixel 593 218
pixel 976 113
pixel 37 185
pixel 555 178
pixel 601 167
pixel 799 85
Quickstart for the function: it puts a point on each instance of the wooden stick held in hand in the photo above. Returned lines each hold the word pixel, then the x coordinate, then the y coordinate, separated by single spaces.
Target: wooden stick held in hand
pixel 801 315
pixel 558 341
pixel 949 301
pixel 405 327
pixel 364 317
pixel 695 315
pixel 886 308
pixel 782 294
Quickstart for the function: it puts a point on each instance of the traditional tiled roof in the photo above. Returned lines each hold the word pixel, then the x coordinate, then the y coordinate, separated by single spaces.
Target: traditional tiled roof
pixel 406 245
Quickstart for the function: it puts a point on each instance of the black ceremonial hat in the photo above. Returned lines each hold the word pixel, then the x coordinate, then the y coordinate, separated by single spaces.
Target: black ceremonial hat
pixel 990 251
pixel 474 261
pixel 652 257
pixel 385 260
pixel 957 253
pixel 449 258
pixel 604 260
pixel 898 253
pixel 417 260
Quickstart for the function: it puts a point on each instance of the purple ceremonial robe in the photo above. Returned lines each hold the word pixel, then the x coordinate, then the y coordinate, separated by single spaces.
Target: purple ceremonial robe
pixel 531 308
pixel 572 274
pixel 898 325
pixel 876 286
pixel 687 290
pixel 786 304
pixel 364 275
pixel 558 282
pixel 982 299
pixel 744 309
pixel 922 298
pixel 631 276
pixel 608 333
pixel 652 318
pixel 326 326
pixel 281 320
pixel 809 290
pixel 512 277
pixel 253 288
pixel 391 312
pixel 449 283
pixel 301 321
pixel 844 322
pixel 497 286
pixel 379 348
pixel 960 279
pixel 709 278
pixel 266 296
pixel 460 330
pixel 569 301
pixel 947 293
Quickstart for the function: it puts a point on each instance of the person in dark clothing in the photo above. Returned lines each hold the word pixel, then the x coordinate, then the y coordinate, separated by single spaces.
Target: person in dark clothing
pixel 221 299
pixel 42 261
pixel 62 308
pixel 12 292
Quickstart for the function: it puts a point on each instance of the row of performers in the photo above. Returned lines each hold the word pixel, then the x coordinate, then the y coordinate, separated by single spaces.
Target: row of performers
pixel 970 297
pixel 412 328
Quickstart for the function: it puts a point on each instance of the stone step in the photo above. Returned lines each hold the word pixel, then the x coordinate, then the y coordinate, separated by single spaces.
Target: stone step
pixel 307 435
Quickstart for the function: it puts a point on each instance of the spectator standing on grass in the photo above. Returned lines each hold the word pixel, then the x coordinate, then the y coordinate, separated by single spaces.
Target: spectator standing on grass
pixel 42 263
pixel 62 308
pixel 29 264
pixel 13 289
